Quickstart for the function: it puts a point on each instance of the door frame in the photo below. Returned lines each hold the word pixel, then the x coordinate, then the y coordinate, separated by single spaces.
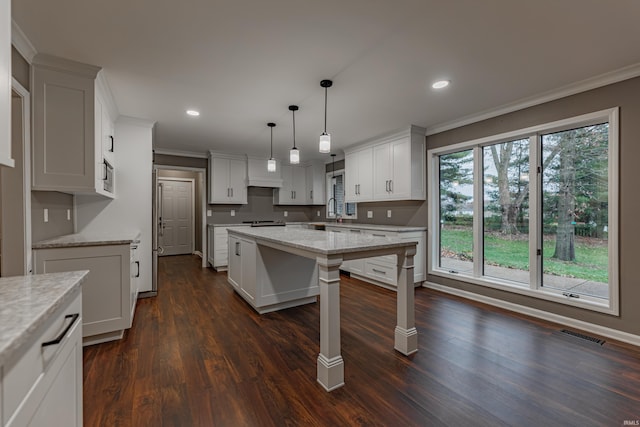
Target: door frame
pixel 203 197
pixel 27 266
pixel 193 206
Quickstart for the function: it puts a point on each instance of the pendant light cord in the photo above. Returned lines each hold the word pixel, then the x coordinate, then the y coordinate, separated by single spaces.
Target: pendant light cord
pixel 293 112
pixel 271 142
pixel 325 109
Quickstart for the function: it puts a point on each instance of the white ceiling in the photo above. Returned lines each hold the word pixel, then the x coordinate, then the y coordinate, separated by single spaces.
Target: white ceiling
pixel 243 62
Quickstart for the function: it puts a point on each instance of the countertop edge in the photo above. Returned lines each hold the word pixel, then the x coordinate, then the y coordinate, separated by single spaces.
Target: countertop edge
pixel 80 240
pixel 9 350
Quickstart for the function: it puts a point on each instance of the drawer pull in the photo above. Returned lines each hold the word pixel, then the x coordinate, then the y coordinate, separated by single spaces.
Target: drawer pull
pixel 375 270
pixel 138 264
pixel 379 235
pixel 60 337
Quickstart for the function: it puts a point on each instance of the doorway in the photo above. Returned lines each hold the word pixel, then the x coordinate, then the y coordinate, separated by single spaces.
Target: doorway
pixel 176 218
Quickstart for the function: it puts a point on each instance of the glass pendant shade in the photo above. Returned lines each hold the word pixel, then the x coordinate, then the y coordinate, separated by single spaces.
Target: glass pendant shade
pixel 294 156
pixel 325 143
pixel 271 165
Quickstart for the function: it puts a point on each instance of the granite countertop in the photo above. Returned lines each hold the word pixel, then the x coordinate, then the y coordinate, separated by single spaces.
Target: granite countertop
pixel 89 239
pixel 322 242
pixel 396 228
pixel 27 302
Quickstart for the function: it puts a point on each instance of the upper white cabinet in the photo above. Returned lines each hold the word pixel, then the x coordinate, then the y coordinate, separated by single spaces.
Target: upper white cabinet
pixel 394 164
pixel 315 177
pixel 358 168
pixel 71 117
pixel 5 83
pixel 294 186
pixel 227 179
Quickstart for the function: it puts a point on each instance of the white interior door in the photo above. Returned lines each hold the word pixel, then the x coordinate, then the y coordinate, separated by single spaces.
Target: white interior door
pixel 176 236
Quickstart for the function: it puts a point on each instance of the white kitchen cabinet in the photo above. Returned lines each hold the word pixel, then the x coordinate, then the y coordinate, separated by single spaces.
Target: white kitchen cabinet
pixel 315 182
pixel 259 176
pixel 382 270
pixel 397 167
pixel 227 179
pixel 358 166
pixel 42 386
pixel 261 275
pixel 69 106
pixel 134 271
pixel 294 187
pixel 109 297
pixel 5 83
pixel 242 267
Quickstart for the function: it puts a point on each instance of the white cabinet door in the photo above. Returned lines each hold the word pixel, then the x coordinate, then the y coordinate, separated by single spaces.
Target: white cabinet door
pixel 382 171
pixel 237 181
pixel 315 179
pixel 284 194
pixel 219 180
pixel 299 185
pixel 400 177
pixel 351 169
pixel 234 275
pixel 5 83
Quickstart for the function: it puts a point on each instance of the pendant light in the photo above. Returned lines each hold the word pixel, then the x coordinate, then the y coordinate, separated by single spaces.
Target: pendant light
pixel 271 163
pixel 294 153
pixel 325 138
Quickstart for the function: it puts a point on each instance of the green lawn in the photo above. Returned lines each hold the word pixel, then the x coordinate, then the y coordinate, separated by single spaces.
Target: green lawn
pixel 591 258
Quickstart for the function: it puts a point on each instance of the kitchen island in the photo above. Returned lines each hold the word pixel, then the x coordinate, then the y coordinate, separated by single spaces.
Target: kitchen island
pixel 286 262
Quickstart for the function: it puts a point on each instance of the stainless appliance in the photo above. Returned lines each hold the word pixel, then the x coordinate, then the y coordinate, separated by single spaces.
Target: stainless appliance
pixel 155 218
pixel 107 177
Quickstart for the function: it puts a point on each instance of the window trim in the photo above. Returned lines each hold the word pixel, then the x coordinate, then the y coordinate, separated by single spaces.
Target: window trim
pixel 328 178
pixel 533 133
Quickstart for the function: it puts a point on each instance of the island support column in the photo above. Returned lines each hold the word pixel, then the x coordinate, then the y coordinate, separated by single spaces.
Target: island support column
pixel 330 363
pixel 406 335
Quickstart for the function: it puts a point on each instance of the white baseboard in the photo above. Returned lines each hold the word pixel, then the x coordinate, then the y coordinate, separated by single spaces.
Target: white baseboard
pixel 540 314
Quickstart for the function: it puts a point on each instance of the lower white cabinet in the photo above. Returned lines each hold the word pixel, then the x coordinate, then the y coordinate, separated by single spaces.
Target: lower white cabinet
pixel 218 246
pixel 109 291
pixel 242 267
pixel 42 386
pixel 383 270
pixel 261 275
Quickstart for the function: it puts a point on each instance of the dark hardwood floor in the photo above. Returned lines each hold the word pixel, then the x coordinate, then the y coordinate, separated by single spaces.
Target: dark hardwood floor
pixel 198 355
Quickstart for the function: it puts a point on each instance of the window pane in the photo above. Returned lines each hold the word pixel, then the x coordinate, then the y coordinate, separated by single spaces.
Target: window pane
pixel 575 210
pixel 506 211
pixel 456 211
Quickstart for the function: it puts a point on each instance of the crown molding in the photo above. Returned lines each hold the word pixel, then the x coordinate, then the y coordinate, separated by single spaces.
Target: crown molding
pixel 180 153
pixel 136 122
pixel 605 79
pixel 61 64
pixel 22 43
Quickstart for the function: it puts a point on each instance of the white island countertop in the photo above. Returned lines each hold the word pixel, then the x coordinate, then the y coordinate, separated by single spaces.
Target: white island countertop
pixel 321 242
pixel 27 302
pixel 89 239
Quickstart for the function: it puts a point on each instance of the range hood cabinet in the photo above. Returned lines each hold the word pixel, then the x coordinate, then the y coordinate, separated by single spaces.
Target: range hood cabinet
pixel 258 176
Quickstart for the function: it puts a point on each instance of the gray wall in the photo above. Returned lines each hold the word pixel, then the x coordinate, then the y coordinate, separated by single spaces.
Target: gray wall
pixel 624 95
pixel 260 207
pixel 58 225
pixel 20 68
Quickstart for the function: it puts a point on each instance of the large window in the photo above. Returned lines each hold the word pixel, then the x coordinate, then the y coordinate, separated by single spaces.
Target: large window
pixel 532 211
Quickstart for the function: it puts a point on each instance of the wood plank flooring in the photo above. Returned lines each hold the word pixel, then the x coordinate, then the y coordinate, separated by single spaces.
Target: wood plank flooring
pixel 198 355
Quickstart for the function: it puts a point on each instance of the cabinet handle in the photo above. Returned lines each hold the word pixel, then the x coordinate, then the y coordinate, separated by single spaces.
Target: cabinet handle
pixel 390 186
pixel 355 231
pixel 386 186
pixel 74 317
pixel 311 194
pixel 375 270
pixel 238 248
pixel 231 191
pixel 105 165
pixel 112 146
pixel 378 235
pixel 138 264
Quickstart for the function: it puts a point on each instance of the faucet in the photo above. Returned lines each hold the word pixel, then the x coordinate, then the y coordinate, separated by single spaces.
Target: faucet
pixel 335 206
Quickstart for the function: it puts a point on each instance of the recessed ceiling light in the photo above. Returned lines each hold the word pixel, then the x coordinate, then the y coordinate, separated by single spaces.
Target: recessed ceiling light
pixel 193 113
pixel 441 84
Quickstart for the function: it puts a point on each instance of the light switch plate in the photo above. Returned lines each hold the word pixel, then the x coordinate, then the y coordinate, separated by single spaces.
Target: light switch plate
pixel 209 213
pixel 369 214
pixel 233 212
pixel 286 213
pixel 46 215
pixel 68 214
pixel 318 213
pixel 389 213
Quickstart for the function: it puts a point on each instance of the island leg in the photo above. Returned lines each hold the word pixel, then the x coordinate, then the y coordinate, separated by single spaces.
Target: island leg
pixel 330 363
pixel 406 335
